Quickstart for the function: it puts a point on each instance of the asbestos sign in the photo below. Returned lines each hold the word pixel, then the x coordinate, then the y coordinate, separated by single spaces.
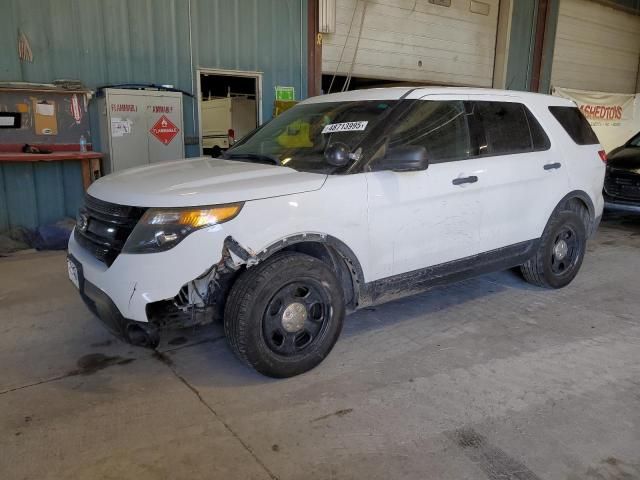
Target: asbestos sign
pixel 164 130
pixel 614 117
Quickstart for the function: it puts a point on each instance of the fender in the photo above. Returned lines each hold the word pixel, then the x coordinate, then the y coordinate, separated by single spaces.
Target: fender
pixel 582 195
pixel 586 199
pixel 349 258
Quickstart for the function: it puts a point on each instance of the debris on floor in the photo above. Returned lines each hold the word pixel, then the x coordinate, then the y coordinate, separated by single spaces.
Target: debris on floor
pixel 47 237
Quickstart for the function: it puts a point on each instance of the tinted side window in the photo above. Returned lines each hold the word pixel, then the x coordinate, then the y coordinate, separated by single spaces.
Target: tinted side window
pixel 439 126
pixel 538 135
pixel 505 127
pixel 575 124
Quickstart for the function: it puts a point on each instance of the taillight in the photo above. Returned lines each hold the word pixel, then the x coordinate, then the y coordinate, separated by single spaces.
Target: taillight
pixel 232 136
pixel 603 155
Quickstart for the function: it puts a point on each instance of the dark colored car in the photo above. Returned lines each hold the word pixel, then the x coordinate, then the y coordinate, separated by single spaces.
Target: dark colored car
pixel 622 180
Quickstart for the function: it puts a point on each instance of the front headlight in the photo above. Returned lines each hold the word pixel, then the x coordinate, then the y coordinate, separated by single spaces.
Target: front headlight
pixel 160 229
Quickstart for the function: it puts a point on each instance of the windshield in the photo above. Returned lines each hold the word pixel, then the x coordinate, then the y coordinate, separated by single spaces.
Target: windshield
pixel 300 136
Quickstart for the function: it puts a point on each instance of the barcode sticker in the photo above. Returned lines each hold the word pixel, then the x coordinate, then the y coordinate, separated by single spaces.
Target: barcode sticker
pixel 345 127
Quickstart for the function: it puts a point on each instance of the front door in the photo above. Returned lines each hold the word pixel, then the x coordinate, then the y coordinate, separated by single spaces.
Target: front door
pixel 425 218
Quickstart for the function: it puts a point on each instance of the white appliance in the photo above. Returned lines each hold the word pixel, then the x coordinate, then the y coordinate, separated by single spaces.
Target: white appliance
pixel 139 127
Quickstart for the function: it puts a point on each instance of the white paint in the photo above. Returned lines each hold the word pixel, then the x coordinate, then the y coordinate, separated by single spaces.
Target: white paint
pixel 72 271
pixel 201 181
pixel 393 222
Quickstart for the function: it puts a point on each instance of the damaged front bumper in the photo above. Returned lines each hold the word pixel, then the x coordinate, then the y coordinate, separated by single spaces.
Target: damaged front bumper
pixel 146 292
pixel 143 334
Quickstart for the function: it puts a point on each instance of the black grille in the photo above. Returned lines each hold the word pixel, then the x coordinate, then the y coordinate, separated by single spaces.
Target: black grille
pixel 106 228
pixel 623 185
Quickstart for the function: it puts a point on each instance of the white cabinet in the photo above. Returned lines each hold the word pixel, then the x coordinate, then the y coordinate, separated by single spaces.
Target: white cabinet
pixel 139 127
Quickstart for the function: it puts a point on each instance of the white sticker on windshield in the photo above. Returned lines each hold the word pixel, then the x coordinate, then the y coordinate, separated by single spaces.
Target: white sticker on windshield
pixel 345 127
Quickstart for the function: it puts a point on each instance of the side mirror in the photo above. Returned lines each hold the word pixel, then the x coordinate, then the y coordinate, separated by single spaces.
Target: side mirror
pixel 408 158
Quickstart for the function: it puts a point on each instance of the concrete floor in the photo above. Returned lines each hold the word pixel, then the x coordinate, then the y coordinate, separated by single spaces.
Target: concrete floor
pixel 486 379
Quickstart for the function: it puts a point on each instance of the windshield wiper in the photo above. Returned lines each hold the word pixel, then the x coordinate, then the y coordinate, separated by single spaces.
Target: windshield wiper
pixel 256 157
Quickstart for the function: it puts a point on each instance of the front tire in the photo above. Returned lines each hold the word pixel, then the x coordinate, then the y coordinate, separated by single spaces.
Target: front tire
pixel 560 253
pixel 284 316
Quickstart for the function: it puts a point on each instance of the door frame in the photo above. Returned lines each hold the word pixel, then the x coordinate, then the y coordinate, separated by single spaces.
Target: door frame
pixel 230 73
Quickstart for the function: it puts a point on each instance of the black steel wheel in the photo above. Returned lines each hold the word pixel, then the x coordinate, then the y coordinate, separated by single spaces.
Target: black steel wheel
pixel 296 317
pixel 565 251
pixel 560 252
pixel 284 316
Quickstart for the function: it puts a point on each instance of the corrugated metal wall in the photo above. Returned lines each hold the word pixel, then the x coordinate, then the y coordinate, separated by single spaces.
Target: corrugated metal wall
pixel 258 35
pixel 597 48
pixel 42 193
pixel 148 41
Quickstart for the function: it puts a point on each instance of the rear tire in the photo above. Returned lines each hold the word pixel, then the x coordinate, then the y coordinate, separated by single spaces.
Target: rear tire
pixel 284 316
pixel 561 251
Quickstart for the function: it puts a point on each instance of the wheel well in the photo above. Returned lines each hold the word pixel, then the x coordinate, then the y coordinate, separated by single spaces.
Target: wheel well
pixel 340 263
pixel 577 203
pixel 584 208
pixel 577 198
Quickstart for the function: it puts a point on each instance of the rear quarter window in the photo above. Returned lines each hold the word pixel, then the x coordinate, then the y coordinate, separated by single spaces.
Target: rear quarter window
pixel 575 125
pixel 538 135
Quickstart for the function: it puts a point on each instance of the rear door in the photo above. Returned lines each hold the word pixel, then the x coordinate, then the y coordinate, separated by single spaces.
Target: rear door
pixel 523 176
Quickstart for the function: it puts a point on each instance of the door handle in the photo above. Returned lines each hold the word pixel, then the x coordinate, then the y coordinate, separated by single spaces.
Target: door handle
pixel 460 181
pixel 551 166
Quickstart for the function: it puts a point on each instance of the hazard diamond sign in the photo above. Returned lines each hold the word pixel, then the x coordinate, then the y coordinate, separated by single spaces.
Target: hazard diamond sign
pixel 164 130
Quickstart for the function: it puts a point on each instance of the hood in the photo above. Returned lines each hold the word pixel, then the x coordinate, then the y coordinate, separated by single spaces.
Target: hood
pixel 625 159
pixel 201 181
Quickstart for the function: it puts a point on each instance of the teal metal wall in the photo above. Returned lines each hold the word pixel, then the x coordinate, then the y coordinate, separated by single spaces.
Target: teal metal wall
pixel 149 41
pixel 33 194
pixel 521 43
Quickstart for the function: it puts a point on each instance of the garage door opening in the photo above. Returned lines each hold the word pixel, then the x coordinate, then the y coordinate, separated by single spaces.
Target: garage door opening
pixel 331 84
pixel 229 108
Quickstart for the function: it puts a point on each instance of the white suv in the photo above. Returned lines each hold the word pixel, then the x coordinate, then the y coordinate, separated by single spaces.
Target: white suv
pixel 344 201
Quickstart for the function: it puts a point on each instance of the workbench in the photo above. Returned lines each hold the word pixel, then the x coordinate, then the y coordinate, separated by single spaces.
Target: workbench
pixel 41 188
pixel 89 161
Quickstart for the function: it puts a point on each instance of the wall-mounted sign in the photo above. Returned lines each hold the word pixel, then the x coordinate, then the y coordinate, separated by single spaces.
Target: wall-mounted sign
pixel 10 119
pixel 287 94
pixel 164 130
pixel 45 117
pixel 120 127
pixel 614 117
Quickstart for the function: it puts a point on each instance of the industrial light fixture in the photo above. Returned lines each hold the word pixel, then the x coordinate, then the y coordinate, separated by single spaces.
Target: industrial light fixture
pixel 327 16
